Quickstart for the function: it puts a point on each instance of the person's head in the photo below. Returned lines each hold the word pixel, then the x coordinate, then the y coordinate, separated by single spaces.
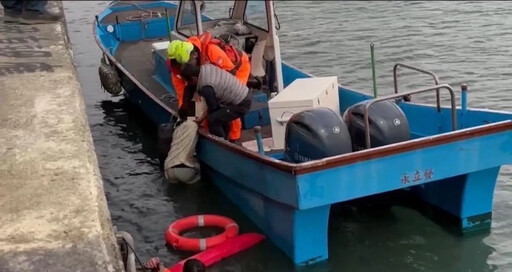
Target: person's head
pixel 190 73
pixel 171 53
pixel 195 57
pixel 181 52
pixel 193 265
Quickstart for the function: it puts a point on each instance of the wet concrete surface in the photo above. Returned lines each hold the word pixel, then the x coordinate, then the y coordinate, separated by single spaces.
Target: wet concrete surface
pixel 53 211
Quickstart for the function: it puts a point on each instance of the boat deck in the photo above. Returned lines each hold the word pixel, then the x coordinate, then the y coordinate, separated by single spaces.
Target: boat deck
pixel 136 57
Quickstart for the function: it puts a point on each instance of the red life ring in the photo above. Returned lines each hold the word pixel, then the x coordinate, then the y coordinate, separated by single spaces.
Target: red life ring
pixel 172 235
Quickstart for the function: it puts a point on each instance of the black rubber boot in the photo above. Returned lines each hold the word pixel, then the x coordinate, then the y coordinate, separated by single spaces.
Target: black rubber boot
pixel 39 17
pixel 11 16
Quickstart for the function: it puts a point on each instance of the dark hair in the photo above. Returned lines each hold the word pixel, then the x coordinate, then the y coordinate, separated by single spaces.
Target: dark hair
pixel 175 63
pixel 188 71
pixel 193 265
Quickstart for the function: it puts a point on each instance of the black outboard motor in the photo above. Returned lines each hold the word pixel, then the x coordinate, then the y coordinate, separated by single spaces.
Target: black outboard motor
pixel 315 134
pixel 388 124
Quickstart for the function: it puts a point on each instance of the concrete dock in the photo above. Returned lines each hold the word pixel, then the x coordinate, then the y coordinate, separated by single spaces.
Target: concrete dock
pixel 53 211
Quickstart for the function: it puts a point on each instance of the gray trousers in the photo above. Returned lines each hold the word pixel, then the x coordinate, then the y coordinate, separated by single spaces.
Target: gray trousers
pixel 186 175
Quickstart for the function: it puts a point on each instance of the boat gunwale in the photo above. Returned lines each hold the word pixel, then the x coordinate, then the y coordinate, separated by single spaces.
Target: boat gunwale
pixel 335 161
pixel 368 154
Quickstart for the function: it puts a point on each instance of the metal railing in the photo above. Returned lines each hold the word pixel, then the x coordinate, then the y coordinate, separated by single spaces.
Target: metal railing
pixel 394 96
pixel 436 79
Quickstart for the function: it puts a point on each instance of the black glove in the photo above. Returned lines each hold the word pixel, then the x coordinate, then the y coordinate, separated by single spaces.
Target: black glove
pixel 183 113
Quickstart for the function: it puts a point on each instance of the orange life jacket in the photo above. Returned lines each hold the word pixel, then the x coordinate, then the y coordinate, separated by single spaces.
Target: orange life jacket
pixel 205 40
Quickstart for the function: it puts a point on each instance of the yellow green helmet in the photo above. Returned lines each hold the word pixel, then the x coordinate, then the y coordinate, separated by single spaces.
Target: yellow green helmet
pixel 182 52
pixel 171 49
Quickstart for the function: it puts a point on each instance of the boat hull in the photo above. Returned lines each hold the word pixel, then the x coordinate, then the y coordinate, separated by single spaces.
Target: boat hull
pixel 281 203
pixel 151 108
pixel 293 208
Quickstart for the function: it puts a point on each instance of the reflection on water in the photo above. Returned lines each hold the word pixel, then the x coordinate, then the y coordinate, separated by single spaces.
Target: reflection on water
pixel 459 41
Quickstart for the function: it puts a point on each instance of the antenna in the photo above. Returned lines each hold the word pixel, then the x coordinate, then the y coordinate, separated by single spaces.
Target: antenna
pixel 168 24
pixel 373 70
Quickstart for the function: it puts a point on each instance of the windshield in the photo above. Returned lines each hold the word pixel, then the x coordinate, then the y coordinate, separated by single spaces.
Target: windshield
pixel 256 14
pixel 216 9
pixel 187 19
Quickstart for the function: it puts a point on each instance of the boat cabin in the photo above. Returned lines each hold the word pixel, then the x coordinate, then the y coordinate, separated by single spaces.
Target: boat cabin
pixel 249 25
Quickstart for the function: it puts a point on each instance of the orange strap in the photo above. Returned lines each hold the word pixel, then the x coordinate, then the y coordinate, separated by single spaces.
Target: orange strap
pixel 206 40
pixel 237 62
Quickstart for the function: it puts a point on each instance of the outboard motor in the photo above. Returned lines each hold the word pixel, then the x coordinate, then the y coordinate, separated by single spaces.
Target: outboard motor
pixel 315 134
pixel 388 124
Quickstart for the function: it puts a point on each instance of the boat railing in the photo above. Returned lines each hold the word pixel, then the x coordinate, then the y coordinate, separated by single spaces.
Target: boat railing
pixel 436 79
pixel 394 96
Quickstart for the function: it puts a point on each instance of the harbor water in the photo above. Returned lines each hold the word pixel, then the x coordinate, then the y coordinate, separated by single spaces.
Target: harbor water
pixel 462 42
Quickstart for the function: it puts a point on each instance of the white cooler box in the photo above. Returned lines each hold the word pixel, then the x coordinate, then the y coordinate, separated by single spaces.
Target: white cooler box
pixel 302 94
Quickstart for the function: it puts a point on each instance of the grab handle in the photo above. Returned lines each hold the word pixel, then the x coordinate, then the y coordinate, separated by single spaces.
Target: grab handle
pixel 283 120
pixel 436 79
pixel 393 96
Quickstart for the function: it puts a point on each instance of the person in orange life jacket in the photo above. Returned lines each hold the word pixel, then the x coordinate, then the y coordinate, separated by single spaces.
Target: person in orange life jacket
pixel 179 50
pixel 226 98
pixel 190 265
pixel 203 49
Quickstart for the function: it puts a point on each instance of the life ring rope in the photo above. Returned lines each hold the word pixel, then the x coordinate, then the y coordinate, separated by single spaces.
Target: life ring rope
pixel 202 244
pixel 200 220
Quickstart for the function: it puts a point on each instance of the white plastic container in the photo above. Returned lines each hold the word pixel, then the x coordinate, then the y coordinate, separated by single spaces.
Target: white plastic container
pixel 302 94
pixel 160 45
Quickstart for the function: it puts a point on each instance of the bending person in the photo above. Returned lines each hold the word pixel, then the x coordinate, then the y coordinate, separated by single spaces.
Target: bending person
pixel 203 49
pixel 226 98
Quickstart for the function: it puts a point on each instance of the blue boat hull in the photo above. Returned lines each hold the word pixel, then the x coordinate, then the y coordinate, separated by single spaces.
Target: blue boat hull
pixel 455 171
pixel 294 209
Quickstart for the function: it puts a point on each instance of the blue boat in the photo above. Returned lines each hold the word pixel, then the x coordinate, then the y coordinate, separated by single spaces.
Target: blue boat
pixel 451 161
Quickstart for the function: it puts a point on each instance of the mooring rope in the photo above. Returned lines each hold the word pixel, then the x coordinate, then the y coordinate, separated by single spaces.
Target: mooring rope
pixel 136 257
pixel 145 14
